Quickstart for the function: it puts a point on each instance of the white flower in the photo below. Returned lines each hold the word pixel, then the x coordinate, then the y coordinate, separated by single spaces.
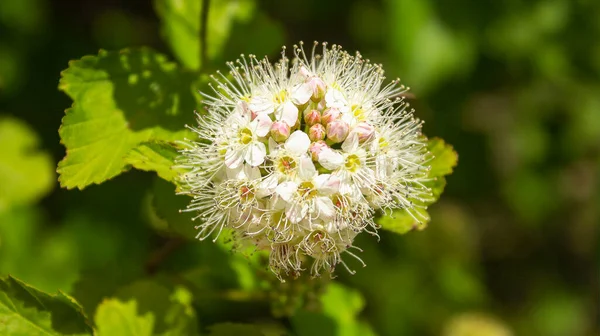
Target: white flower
pixel 308 196
pixel 298 187
pixel 244 140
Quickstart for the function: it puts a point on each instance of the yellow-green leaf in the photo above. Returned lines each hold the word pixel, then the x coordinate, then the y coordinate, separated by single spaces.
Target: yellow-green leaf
pixel 155 156
pixel 116 318
pixel 25 310
pixel 26 173
pixel 444 160
pixel 121 99
pixel 182 26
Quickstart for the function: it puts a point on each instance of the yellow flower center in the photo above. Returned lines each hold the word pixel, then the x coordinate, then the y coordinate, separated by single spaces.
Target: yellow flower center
pixel 245 136
pixel 382 143
pixel 307 189
pixel 359 113
pixel 281 96
pixel 286 164
pixel 352 163
pixel 246 193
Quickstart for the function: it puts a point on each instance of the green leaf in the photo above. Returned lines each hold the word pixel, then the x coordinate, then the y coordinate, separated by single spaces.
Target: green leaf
pixel 25 310
pixel 442 164
pixel 181 26
pixel 26 174
pixel 401 221
pixel 116 318
pixel 121 99
pixel 155 156
pixel 172 309
pixel 164 213
pixel 338 316
pixel 445 158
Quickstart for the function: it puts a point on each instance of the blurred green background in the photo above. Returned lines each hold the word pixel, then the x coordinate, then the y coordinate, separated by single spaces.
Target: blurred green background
pixel 512 248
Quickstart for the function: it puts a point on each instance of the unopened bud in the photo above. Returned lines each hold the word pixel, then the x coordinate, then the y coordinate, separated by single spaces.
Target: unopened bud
pixel 330 115
pixel 316 132
pixel 312 117
pixel 316 148
pixel 280 131
pixel 337 130
pixel 364 131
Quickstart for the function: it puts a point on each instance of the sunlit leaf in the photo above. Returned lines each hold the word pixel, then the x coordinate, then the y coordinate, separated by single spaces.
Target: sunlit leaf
pixel 116 318
pixel 338 316
pixel 25 310
pixel 155 156
pixel 26 173
pixel 172 310
pixel 182 26
pixel 444 160
pixel 121 99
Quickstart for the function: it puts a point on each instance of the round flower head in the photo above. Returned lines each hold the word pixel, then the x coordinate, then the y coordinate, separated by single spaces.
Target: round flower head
pixel 297 157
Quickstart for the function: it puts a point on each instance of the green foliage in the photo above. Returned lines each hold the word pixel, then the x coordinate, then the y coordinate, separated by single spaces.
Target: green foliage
pixel 25 310
pixel 339 308
pixel 25 172
pixel 182 26
pixel 116 318
pixel 155 156
pixel 444 160
pixel 121 99
pixel 512 85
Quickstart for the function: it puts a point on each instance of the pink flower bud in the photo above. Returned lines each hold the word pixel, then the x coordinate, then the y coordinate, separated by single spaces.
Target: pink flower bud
pixel 316 132
pixel 316 148
pixel 330 115
pixel 318 87
pixel 280 131
pixel 312 117
pixel 364 131
pixel 337 130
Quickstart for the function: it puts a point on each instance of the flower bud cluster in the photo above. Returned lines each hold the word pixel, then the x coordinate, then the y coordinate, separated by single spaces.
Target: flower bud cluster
pixel 297 157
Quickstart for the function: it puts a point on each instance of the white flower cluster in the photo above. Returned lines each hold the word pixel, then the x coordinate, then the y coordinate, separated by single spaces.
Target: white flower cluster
pixel 297 157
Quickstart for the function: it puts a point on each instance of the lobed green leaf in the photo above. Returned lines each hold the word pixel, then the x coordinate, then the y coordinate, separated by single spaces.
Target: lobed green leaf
pixel 121 99
pixel 443 162
pixel 117 318
pixel 25 310
pixel 155 156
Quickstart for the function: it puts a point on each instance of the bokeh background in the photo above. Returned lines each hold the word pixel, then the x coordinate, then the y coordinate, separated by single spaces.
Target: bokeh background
pixel 512 248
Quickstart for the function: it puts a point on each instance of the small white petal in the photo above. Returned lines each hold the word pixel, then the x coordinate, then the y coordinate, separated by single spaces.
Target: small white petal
pixel 325 207
pixel 267 186
pixel 287 112
pixel 255 153
pixel 261 104
pixel 261 125
pixel 234 157
pixel 327 184
pixel 301 93
pixel 273 146
pixel 295 212
pixel 297 143
pixel 334 98
pixel 251 173
pixel 351 143
pixel 286 190
pixel 236 173
pixel 330 159
pixel 307 168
